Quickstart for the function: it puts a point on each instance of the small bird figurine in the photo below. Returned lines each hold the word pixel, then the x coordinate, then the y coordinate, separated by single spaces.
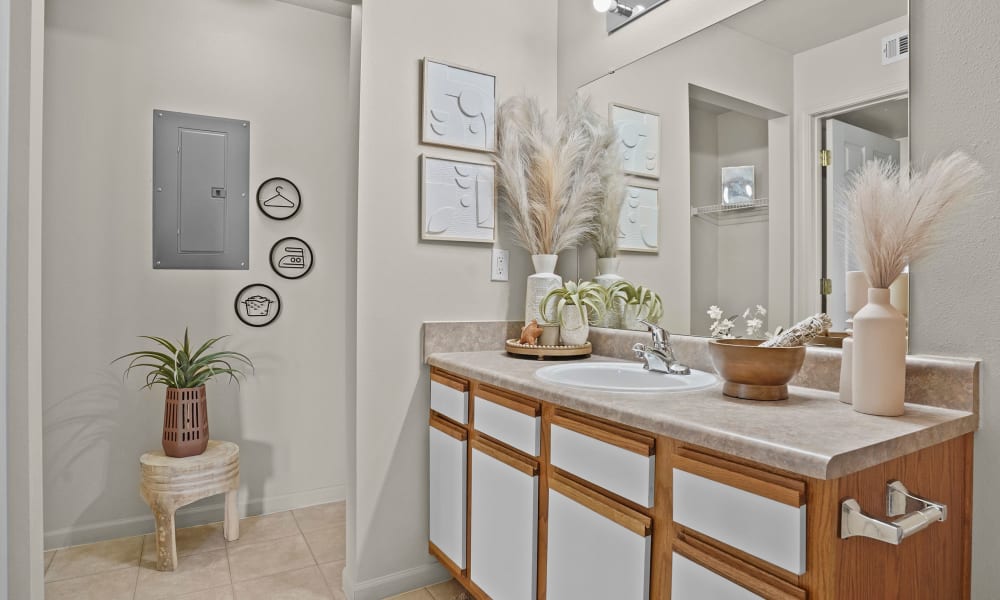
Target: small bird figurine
pixel 531 332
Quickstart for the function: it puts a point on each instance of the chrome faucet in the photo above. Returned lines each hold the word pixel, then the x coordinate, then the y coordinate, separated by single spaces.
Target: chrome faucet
pixel 660 357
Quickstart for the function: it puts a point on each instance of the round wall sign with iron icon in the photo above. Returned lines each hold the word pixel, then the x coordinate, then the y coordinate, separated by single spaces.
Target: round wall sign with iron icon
pixel 257 305
pixel 291 257
pixel 279 198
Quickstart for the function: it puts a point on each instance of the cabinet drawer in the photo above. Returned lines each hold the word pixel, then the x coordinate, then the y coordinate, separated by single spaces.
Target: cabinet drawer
pixel 700 571
pixel 691 581
pixel 760 513
pixel 448 461
pixel 597 548
pixel 504 522
pixel 621 462
pixel 510 419
pixel 450 396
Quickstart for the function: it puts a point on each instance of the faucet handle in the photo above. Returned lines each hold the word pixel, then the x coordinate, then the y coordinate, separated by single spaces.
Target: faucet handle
pixel 660 335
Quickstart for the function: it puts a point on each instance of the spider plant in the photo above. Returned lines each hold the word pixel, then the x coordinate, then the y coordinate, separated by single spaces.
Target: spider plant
pixel 175 365
pixel 588 297
pixel 624 294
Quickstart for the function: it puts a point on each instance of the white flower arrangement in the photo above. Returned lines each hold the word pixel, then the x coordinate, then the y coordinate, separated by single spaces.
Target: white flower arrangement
pixel 722 327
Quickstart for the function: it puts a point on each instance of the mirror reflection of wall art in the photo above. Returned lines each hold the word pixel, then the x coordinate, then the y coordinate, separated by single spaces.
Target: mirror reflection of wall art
pixel 459 107
pixel 638 139
pixel 257 305
pixel 639 223
pixel 279 198
pixel 737 185
pixel 291 258
pixel 458 201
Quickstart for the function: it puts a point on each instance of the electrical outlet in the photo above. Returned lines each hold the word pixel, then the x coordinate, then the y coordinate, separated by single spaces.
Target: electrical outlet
pixel 500 269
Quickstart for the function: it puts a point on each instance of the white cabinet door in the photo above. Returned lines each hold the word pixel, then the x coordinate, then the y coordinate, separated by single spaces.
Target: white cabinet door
pixel 691 581
pixel 504 522
pixel 448 490
pixel 591 556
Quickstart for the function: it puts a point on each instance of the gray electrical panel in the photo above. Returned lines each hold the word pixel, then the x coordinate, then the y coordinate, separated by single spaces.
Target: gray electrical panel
pixel 201 192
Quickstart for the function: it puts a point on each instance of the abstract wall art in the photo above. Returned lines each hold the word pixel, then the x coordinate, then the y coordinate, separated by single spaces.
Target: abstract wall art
pixel 459 107
pixel 639 223
pixel 638 139
pixel 458 200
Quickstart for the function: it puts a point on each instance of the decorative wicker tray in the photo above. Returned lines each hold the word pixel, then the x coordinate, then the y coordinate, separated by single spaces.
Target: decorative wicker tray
pixel 549 352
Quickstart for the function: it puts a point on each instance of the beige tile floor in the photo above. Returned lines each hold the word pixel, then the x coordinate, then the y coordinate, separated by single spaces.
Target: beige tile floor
pixel 295 555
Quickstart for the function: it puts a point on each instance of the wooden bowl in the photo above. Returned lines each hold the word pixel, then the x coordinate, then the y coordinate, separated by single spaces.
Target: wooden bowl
pixel 755 373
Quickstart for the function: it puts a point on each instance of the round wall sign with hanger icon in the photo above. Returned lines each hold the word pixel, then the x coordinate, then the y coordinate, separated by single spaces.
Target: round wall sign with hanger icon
pixel 257 305
pixel 279 198
pixel 291 257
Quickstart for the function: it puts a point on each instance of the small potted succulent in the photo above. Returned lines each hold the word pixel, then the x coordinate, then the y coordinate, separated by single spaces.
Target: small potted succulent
pixel 575 307
pixel 184 373
pixel 635 303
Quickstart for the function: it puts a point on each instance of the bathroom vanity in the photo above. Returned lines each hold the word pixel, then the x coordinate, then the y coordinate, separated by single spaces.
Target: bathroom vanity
pixel 539 490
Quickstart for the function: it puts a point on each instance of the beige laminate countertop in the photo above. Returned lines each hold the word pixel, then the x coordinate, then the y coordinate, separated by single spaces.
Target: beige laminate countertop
pixel 812 433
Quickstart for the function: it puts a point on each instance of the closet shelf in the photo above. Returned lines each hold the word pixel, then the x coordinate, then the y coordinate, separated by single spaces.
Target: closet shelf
pixel 720 213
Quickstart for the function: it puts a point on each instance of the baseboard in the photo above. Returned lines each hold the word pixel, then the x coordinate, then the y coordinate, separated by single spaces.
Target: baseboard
pixel 396 583
pixel 194 515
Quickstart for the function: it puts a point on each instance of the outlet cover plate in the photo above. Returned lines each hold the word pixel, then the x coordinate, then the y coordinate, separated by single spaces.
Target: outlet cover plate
pixel 500 265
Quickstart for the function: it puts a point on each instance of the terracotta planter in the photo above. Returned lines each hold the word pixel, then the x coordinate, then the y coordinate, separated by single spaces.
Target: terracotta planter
pixel 185 422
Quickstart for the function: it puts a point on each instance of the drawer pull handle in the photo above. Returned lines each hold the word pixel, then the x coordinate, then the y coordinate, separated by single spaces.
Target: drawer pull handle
pixel 854 522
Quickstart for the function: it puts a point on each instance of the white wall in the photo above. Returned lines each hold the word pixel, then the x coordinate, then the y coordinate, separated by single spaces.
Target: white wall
pixel 721 60
pixel 953 294
pixel 704 132
pixel 109 64
pixel 403 281
pixel 23 168
pixel 587 51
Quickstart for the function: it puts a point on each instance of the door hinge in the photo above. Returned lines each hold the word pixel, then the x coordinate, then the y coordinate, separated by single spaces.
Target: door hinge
pixel 825 286
pixel 824 158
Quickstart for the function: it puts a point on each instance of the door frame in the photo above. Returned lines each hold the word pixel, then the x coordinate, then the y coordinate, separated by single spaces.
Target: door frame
pixel 808 217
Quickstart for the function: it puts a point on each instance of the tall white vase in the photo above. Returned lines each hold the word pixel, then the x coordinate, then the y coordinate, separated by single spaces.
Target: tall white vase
pixel 878 381
pixel 541 283
pixel 856 286
pixel 607 274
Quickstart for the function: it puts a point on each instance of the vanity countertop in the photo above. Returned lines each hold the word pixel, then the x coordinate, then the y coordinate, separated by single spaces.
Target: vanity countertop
pixel 812 433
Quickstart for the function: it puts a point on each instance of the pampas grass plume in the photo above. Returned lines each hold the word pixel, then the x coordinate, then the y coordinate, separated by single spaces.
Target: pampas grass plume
pixel 892 218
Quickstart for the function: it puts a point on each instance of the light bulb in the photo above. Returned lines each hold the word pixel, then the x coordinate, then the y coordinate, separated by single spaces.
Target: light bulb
pixel 605 5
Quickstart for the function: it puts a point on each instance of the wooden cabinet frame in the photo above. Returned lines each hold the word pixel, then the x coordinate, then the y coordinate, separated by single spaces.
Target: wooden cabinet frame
pixel 836 569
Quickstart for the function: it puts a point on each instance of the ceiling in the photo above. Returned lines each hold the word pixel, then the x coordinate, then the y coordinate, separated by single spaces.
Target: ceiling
pixel 335 7
pixel 891 119
pixel 798 25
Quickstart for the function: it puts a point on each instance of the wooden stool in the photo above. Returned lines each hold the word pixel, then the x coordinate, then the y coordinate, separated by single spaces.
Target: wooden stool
pixel 170 483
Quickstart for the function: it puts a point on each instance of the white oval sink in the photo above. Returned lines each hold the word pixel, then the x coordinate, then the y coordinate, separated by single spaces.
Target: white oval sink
pixel 623 377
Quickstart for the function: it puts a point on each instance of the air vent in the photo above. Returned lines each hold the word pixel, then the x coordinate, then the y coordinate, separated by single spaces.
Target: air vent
pixel 896 47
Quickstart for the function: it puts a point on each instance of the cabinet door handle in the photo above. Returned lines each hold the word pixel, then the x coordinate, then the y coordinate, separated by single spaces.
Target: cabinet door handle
pixel 854 522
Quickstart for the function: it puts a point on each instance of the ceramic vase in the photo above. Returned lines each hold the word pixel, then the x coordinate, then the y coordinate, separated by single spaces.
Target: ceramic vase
pixel 574 329
pixel 607 274
pixel 541 283
pixel 631 313
pixel 878 380
pixel 846 369
pixel 856 286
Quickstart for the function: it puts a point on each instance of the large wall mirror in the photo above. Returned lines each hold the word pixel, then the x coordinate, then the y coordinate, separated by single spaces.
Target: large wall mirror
pixel 747 133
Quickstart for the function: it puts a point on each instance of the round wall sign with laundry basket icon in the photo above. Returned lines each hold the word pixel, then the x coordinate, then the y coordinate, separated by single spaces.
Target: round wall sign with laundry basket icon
pixel 291 257
pixel 258 305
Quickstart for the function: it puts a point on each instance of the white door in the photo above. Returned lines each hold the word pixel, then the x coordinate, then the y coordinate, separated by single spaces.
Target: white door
pixel 591 557
pixel 504 525
pixel 447 491
pixel 850 148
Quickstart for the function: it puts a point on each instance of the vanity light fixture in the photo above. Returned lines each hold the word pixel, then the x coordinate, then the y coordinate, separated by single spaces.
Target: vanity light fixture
pixel 615 6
